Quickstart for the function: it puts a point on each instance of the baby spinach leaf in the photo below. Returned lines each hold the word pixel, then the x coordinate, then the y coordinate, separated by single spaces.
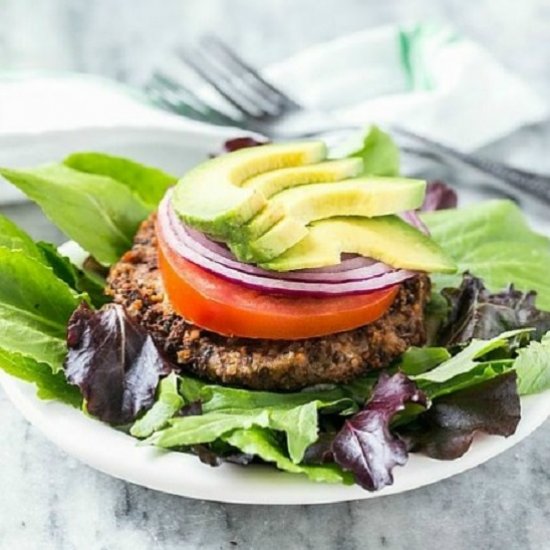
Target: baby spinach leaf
pixel 149 184
pixel 34 308
pixel 50 385
pixel 98 212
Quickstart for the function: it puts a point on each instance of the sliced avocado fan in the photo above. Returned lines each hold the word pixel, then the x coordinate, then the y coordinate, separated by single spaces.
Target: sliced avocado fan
pixel 211 197
pixel 368 196
pixel 386 238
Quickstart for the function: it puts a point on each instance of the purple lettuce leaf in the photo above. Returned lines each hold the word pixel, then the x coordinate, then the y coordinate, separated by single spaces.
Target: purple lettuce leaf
pixel 114 362
pixel 447 429
pixel 474 312
pixel 365 446
pixel 320 452
pixel 439 196
pixel 241 143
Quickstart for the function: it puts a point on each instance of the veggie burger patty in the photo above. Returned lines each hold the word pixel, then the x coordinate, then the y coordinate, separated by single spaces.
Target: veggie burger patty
pixel 135 282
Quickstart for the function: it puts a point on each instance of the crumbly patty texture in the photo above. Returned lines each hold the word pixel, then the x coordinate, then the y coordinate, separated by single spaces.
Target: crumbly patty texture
pixel 135 282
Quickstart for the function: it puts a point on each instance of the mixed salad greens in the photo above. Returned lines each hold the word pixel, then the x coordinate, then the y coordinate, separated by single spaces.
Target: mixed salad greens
pixel 489 342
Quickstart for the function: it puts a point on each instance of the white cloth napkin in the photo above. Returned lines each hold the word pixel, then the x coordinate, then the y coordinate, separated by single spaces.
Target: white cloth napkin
pixel 423 77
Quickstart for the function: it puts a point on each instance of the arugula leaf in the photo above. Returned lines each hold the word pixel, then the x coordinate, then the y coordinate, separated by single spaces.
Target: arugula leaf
pixel 379 153
pixel 149 184
pixel 168 403
pixel 34 309
pixel 50 386
pixel 533 367
pixel 493 241
pixel 419 360
pixel 262 443
pixel 98 212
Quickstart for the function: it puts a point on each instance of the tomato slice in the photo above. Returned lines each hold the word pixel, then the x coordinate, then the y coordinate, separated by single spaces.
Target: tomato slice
pixel 213 303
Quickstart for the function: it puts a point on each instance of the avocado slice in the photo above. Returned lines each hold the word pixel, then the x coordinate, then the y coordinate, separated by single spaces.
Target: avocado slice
pixel 271 183
pixel 211 197
pixel 367 196
pixel 274 182
pixel 387 238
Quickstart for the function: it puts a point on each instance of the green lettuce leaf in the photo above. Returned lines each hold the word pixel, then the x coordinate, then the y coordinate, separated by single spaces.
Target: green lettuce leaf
pixel 493 241
pixel 379 153
pixel 149 184
pixel 296 414
pixel 465 360
pixel 471 366
pixel 226 409
pixel 76 278
pixel 533 367
pixel 99 213
pixel 205 428
pixel 263 443
pixel 50 386
pixel 34 309
pixel 419 360
pixel 168 403
pixel 14 238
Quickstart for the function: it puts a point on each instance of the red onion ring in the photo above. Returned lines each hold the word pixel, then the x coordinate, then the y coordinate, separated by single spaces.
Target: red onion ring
pixel 177 238
pixel 352 269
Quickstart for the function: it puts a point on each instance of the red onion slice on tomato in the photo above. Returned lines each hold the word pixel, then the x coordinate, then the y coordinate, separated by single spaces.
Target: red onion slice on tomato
pixel 351 269
pixel 376 276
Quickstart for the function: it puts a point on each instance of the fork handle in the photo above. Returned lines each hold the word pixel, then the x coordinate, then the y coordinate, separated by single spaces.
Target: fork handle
pixel 536 185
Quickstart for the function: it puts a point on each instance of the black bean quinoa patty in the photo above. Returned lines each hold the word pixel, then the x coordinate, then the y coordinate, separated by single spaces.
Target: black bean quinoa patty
pixel 135 282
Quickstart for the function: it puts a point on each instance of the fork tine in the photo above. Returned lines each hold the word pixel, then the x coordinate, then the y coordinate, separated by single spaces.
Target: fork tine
pixel 173 96
pixel 239 84
pixel 186 96
pixel 244 67
pixel 220 84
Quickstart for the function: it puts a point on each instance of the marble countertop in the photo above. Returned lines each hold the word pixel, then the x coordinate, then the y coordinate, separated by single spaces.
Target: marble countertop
pixel 49 500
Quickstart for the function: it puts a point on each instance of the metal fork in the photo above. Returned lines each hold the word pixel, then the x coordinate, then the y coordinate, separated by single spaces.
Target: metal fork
pixel 259 106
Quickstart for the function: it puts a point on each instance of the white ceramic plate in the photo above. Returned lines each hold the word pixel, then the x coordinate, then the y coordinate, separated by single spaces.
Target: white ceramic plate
pixel 117 454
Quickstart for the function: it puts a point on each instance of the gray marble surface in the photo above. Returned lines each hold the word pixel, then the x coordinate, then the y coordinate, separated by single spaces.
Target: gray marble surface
pixel 48 500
